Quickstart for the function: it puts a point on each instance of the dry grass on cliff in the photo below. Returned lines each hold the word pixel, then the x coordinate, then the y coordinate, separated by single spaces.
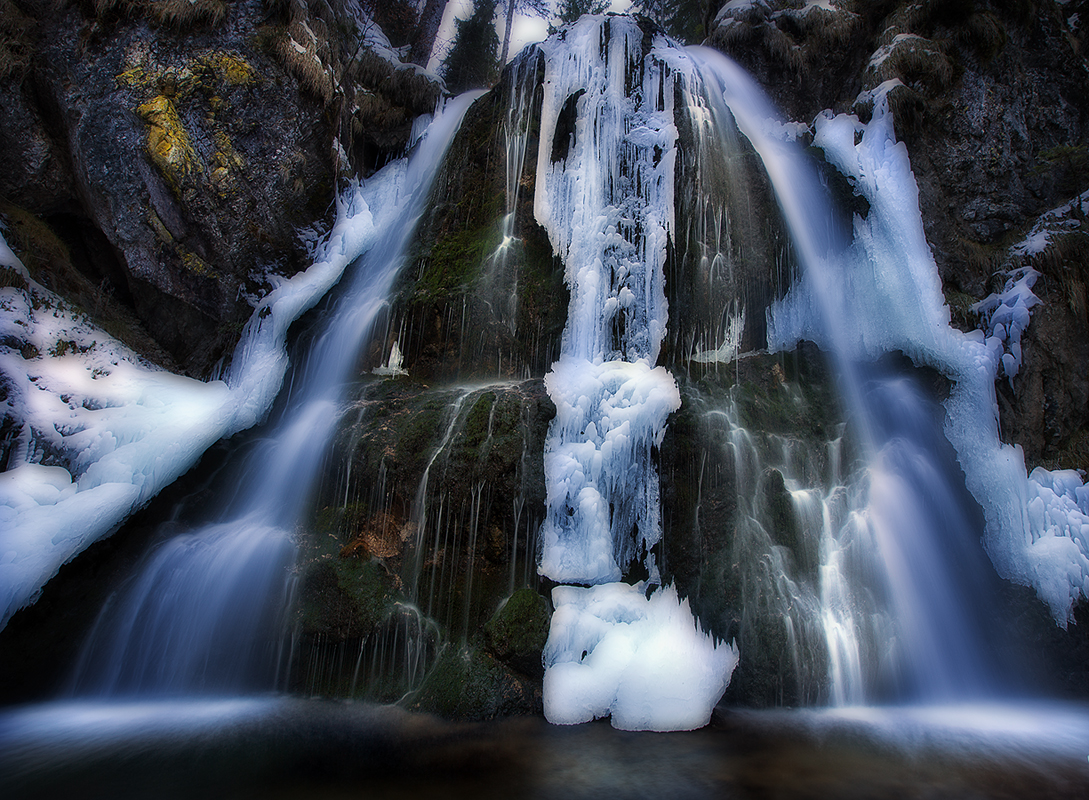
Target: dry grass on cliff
pixel 985 34
pixel 1066 262
pixel 920 63
pixel 177 13
pixel 793 39
pixel 303 61
pixel 16 30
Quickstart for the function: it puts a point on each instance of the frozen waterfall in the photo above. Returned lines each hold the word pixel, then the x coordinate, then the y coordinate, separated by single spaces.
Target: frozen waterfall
pixel 605 171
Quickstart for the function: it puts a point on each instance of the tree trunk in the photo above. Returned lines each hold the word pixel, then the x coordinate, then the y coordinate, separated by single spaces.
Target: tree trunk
pixel 426 31
pixel 506 34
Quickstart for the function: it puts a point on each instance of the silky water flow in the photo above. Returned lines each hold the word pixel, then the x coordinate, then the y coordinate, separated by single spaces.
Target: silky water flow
pixel 206 614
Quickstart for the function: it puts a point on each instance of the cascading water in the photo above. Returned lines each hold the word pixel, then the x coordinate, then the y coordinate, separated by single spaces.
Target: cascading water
pixel 500 277
pixel 604 193
pixel 840 519
pixel 205 610
pixel 909 517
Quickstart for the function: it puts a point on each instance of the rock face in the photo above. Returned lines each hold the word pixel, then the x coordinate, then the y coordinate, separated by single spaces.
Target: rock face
pixel 484 297
pixel 181 170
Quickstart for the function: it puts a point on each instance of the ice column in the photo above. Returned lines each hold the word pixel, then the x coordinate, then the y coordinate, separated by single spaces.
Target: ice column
pixel 605 172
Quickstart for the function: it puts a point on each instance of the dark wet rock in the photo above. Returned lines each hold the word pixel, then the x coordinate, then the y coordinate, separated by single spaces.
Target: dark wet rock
pixel 473 305
pixel 1045 408
pixel 517 632
pixel 425 532
pixel 991 104
pixel 470 685
pixel 730 537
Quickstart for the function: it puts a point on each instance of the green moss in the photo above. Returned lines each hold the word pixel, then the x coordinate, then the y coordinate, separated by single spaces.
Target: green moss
pixel 517 631
pixel 340 596
pixel 474 432
pixel 454 262
pixel 466 684
pixel 420 431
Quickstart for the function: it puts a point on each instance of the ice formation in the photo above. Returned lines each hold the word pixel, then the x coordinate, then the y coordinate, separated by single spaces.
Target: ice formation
pixel 118 429
pixel 607 204
pixel 604 194
pixel 611 650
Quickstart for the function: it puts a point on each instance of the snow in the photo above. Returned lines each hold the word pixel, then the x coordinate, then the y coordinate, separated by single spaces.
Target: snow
pixel 881 54
pixel 728 14
pixel 1057 221
pixel 866 96
pixel 374 39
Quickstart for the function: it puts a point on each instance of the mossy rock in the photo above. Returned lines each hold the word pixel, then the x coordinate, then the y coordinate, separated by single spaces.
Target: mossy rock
pixel 467 684
pixel 517 632
pixel 340 595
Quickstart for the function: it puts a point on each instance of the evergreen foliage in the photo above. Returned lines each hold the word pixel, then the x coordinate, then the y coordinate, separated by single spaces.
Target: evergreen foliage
pixel 569 11
pixel 684 20
pixel 472 61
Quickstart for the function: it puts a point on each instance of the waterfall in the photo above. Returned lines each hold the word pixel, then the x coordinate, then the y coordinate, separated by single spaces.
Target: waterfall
pixel 206 604
pixel 876 294
pixel 906 619
pixel 852 546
